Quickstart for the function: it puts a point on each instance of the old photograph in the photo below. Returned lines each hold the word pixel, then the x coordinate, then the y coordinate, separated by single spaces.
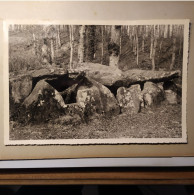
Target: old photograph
pixel 95 83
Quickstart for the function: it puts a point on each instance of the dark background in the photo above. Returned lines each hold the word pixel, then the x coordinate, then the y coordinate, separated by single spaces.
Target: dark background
pixel 99 189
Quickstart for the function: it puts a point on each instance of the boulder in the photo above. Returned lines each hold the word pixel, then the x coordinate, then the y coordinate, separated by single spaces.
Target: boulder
pixel 47 72
pixel 130 99
pixel 101 73
pixel 152 94
pixel 171 97
pixel 112 76
pixel 44 103
pixel 97 100
pixel 20 87
pixel 174 85
pixel 22 84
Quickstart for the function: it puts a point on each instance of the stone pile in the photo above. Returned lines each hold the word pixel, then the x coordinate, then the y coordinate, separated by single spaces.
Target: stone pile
pixel 88 92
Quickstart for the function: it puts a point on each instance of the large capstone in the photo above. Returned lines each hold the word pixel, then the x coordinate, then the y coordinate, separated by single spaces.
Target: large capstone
pixel 112 76
pixel 152 94
pixel 97 99
pixel 130 99
pixel 44 103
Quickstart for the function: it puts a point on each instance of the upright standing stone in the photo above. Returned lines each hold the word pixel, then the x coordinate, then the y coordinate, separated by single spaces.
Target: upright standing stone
pixel 152 94
pixel 130 99
pixel 97 99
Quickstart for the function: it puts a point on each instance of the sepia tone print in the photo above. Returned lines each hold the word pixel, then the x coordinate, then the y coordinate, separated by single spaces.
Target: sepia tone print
pixel 82 84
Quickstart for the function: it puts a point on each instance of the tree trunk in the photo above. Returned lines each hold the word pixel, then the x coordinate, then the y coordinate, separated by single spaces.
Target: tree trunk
pixel 128 30
pixel 170 30
pixel 91 43
pixel 130 34
pixel 134 46
pixel 166 31
pixel 154 53
pixel 147 29
pixel 102 52
pixel 114 46
pixel 34 44
pixel 160 47
pixel 180 44
pixel 137 47
pixel 151 46
pixel 81 48
pixel 143 43
pixel 58 38
pixel 137 41
pixel 120 41
pixel 71 36
pixel 52 51
pixel 173 54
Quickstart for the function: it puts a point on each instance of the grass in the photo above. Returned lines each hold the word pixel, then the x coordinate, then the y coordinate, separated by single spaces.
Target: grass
pixel 149 123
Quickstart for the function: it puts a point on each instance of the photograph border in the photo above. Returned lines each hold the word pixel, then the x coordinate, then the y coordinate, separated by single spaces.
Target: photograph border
pixel 6 23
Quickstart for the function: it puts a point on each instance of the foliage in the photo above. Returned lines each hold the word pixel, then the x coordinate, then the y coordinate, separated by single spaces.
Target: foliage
pixel 22 55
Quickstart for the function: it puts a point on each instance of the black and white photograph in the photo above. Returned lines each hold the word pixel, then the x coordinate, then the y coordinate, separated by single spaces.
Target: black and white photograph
pixel 95 83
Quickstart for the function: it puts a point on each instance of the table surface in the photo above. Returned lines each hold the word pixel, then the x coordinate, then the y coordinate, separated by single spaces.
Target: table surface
pixel 97 176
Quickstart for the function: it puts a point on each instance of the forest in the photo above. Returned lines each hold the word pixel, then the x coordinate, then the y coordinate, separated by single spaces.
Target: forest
pixel 95 81
pixel 142 46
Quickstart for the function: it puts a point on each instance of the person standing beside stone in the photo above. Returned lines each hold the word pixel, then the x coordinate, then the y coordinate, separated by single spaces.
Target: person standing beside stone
pixel 46 54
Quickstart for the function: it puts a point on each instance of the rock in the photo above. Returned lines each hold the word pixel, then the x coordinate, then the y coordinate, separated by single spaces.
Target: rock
pixel 89 99
pixel 130 99
pixel 174 85
pixel 161 85
pixel 142 76
pixel 152 94
pixel 97 99
pixel 112 76
pixel 47 72
pixel 101 73
pixel 44 103
pixel 171 97
pixel 20 87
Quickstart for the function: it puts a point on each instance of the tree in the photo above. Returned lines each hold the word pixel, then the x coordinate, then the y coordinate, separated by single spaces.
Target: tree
pixel 58 37
pixel 91 42
pixel 137 45
pixel 34 43
pixel 166 31
pixel 102 51
pixel 121 40
pixel 173 48
pixel 71 38
pixel 134 45
pixel 143 40
pixel 154 40
pixel 81 48
pixel 51 33
pixel 114 46
pixel 151 41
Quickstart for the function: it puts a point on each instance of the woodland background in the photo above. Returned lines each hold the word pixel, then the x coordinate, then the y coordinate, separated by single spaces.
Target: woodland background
pixel 141 46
